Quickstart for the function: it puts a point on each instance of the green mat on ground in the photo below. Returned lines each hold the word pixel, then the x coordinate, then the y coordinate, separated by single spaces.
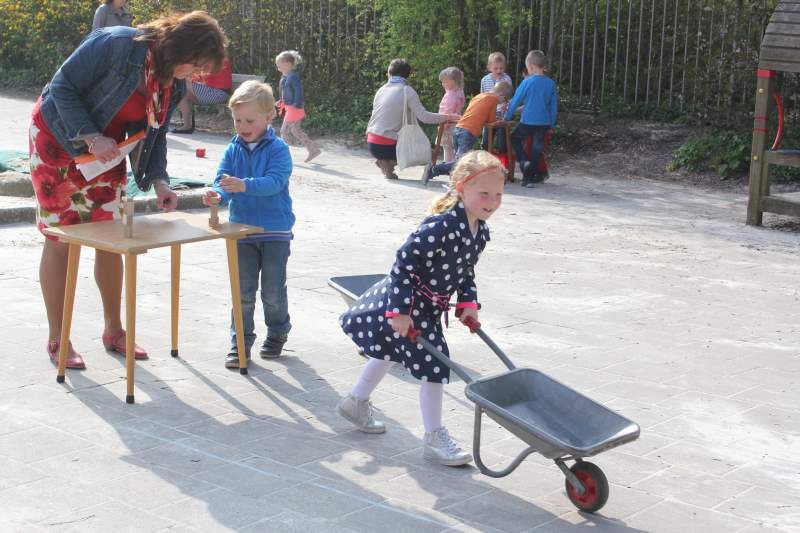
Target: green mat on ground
pixel 18 162
pixel 14 160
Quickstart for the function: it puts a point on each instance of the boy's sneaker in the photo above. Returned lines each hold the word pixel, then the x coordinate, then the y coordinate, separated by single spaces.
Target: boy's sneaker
pixel 427 174
pixel 440 448
pixel 530 184
pixel 273 346
pixel 361 414
pixel 232 359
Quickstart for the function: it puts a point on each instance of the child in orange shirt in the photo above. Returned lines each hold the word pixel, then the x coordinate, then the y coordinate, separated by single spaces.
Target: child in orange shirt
pixel 481 110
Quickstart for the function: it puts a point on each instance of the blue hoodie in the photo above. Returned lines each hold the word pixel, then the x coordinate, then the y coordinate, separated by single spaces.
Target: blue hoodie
pixel 539 95
pixel 265 171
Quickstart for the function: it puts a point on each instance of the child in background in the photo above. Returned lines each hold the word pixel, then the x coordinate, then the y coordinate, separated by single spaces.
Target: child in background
pixel 481 109
pixel 452 103
pixel 496 65
pixel 254 177
pixel 539 96
pixel 437 260
pixel 291 101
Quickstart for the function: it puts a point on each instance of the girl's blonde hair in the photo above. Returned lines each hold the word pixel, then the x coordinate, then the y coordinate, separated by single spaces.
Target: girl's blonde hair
pixel 256 92
pixel 290 56
pixel 452 73
pixel 469 164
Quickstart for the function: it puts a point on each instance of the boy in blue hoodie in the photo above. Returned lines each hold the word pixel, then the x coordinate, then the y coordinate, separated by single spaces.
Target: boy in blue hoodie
pixel 539 96
pixel 254 177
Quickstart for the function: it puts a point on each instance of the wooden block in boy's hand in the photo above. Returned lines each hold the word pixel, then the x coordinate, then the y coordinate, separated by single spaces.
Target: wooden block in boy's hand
pixel 127 217
pixel 213 220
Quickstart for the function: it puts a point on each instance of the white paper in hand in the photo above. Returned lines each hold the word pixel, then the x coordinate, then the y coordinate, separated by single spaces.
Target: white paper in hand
pixel 94 168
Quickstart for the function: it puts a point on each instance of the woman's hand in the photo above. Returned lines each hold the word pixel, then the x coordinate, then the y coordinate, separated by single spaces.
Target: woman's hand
pixel 166 199
pixel 401 324
pixel 211 197
pixel 103 148
pixel 232 184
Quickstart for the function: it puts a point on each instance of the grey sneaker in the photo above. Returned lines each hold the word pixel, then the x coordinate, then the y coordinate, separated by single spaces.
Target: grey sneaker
pixel 273 346
pixel 440 448
pixel 361 414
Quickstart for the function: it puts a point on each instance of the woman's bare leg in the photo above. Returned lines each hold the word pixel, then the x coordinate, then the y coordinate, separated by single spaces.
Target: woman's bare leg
pixel 53 279
pixel 108 275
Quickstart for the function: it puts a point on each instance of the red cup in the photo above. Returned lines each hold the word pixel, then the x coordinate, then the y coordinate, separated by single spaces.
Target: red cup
pixel 200 152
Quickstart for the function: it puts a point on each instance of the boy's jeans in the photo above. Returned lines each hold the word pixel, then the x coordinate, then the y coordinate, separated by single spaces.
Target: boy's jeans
pixel 463 140
pixel 268 258
pixel 518 137
pixel 499 138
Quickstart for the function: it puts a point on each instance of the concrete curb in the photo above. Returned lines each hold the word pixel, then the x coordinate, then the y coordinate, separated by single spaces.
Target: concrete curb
pixel 186 200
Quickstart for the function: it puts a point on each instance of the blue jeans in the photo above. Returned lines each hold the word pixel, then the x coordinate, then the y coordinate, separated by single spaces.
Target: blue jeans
pixel 267 258
pixel 463 141
pixel 520 135
pixel 499 138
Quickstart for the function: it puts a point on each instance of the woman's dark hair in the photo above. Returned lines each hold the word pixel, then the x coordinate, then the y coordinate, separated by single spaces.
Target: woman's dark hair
pixel 192 38
pixel 400 67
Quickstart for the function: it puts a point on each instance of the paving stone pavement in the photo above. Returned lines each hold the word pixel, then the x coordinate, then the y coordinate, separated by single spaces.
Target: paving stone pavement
pixel 651 297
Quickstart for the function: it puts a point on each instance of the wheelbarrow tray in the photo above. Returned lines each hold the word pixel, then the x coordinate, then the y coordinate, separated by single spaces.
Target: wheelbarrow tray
pixel 551 417
pixel 351 287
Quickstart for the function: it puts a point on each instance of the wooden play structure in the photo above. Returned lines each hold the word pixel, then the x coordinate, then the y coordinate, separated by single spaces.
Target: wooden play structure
pixel 780 52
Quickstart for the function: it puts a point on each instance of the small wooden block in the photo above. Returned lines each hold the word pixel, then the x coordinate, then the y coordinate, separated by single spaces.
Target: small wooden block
pixel 213 220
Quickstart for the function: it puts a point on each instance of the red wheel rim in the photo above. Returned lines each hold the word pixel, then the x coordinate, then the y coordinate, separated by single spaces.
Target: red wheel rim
pixel 590 493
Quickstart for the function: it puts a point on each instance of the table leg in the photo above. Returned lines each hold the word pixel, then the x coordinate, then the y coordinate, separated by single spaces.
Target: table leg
pixel 490 138
pixel 176 283
pixel 236 296
pixel 510 152
pixel 130 320
pixel 69 301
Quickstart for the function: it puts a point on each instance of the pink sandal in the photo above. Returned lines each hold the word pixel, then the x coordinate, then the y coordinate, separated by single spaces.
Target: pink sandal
pixel 116 343
pixel 74 361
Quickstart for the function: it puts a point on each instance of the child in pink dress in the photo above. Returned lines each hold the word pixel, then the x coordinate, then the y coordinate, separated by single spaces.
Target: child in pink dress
pixel 452 104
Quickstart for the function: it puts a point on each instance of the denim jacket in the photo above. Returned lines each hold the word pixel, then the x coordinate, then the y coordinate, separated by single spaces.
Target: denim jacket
pixel 90 88
pixel 291 90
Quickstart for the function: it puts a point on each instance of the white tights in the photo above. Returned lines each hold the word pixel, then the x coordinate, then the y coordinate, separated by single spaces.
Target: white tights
pixel 430 394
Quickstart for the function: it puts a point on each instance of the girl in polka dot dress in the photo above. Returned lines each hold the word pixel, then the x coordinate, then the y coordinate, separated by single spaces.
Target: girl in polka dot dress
pixel 436 261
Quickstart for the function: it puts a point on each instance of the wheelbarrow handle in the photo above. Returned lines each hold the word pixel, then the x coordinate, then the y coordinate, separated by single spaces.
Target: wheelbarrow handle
pixel 414 335
pixel 475 327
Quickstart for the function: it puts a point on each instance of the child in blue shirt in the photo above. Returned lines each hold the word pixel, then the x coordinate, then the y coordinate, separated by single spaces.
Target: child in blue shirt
pixel 539 96
pixel 253 177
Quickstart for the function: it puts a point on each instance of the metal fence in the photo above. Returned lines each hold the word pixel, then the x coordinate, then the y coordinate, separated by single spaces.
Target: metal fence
pixel 679 55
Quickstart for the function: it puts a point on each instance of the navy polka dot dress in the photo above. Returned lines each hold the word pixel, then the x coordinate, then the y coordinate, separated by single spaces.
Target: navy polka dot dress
pixel 437 260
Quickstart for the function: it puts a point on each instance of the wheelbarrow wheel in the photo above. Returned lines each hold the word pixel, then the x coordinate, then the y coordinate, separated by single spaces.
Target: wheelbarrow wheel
pixel 595 483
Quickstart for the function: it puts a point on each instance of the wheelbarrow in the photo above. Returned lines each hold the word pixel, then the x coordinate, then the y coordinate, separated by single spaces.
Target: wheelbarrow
pixel 552 419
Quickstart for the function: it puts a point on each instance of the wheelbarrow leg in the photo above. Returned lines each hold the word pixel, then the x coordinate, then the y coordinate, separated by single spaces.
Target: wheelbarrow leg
pixel 571 477
pixel 476 451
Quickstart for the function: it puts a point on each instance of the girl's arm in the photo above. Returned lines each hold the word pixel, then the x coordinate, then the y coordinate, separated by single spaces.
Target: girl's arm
pixel 467 291
pixel 422 114
pixel 417 255
pixel 279 168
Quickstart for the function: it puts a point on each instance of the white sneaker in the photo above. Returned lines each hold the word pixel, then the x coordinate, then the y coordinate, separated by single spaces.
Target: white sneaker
pixel 440 448
pixel 361 414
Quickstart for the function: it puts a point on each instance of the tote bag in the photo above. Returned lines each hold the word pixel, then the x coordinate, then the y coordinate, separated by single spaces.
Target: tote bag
pixel 413 146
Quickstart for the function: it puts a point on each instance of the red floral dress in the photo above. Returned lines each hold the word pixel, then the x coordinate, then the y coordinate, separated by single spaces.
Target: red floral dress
pixel 63 195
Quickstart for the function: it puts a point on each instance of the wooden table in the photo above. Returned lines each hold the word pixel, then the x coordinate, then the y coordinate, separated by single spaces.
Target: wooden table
pixel 149 231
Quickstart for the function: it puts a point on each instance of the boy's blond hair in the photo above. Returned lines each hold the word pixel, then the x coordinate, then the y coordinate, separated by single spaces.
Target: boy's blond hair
pixel 536 58
pixel 253 92
pixel 452 73
pixel 469 163
pixel 504 89
pixel 496 57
